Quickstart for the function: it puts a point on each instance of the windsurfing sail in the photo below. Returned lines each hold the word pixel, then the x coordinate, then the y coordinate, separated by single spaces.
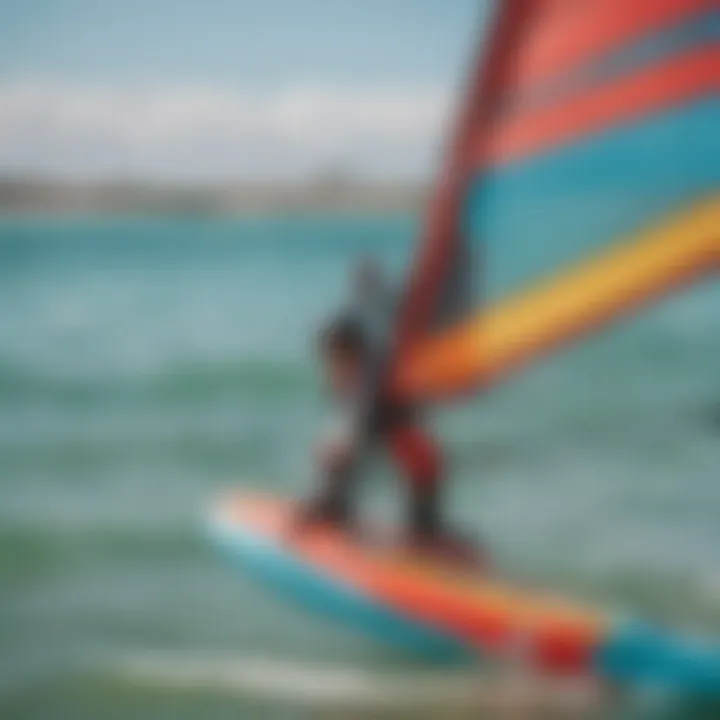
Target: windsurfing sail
pixel 583 177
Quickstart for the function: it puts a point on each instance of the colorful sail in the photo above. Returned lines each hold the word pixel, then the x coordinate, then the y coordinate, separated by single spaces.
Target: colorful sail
pixel 584 176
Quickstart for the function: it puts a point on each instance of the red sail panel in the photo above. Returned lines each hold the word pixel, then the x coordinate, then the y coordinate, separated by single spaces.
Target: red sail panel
pixel 573 33
pixel 658 88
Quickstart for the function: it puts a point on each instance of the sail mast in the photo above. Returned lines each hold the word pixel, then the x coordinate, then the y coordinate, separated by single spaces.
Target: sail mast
pixel 443 230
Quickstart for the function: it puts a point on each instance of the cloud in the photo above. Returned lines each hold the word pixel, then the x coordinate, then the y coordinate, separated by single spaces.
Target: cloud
pixel 193 132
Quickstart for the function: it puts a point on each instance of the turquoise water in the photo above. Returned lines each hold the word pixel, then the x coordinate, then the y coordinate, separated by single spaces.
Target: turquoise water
pixel 147 364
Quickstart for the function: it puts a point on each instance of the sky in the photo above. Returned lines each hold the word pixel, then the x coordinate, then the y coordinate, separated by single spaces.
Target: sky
pixel 229 89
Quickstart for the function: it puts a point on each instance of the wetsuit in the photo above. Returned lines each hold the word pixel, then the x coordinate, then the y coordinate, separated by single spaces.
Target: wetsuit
pixel 390 424
pixel 418 460
pixel 395 429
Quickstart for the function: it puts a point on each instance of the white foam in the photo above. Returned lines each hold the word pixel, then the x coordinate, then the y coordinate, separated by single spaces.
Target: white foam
pixel 330 686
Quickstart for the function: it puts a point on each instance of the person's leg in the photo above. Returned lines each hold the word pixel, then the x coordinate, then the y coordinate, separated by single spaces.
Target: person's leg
pixel 336 469
pixel 424 519
pixel 418 460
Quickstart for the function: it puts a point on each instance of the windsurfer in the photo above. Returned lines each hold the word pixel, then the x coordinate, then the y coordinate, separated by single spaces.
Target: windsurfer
pixel 392 424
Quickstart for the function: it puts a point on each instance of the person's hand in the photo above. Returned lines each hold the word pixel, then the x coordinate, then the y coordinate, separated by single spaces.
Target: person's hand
pixel 367 277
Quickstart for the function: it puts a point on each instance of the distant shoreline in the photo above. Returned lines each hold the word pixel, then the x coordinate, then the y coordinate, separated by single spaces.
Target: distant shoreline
pixel 30 196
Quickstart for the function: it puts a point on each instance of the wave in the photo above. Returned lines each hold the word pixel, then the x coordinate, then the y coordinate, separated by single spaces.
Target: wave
pixel 192 382
pixel 34 552
pixel 354 688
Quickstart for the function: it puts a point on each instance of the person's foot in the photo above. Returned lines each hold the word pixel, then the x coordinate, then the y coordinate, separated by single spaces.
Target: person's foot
pixel 452 549
pixel 322 511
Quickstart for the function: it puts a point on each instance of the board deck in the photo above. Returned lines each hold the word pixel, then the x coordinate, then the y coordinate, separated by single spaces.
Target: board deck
pixel 439 611
pixel 446 613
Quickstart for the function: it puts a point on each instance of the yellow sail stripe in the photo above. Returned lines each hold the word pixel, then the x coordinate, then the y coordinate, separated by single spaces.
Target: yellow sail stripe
pixel 525 326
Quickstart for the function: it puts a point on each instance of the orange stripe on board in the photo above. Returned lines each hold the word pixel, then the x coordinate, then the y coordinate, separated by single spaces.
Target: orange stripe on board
pixel 486 348
pixel 660 87
pixel 578 32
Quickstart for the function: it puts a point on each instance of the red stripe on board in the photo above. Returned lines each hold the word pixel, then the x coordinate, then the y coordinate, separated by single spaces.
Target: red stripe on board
pixel 576 33
pixel 658 88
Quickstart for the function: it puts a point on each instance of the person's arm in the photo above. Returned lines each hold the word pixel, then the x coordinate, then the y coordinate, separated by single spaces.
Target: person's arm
pixel 370 286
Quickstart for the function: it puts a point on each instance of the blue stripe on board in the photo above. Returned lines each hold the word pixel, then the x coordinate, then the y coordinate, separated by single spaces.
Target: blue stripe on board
pixel 645 655
pixel 324 595
pixel 538 215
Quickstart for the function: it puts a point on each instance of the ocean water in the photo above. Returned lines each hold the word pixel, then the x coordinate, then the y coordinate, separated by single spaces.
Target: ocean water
pixel 147 364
